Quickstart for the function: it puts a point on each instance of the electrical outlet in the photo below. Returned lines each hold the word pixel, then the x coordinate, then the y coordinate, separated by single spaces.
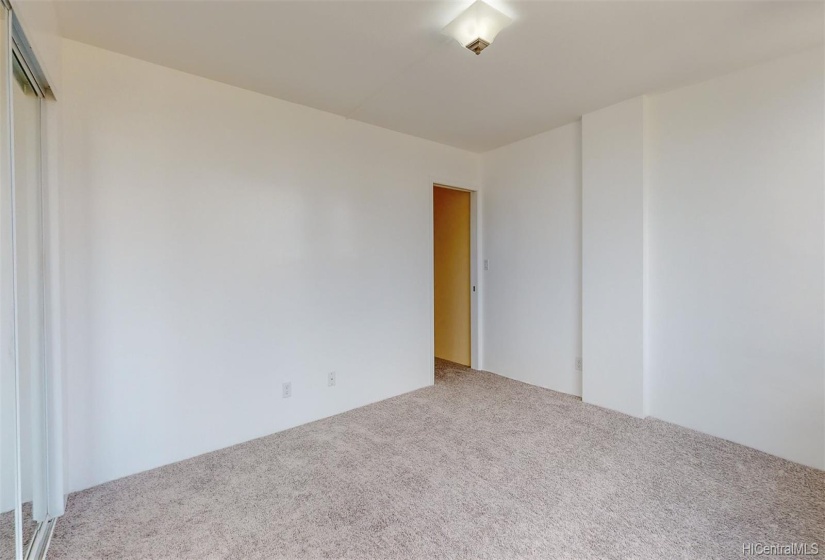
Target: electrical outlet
pixel 486 264
pixel 331 379
pixel 287 390
pixel 578 364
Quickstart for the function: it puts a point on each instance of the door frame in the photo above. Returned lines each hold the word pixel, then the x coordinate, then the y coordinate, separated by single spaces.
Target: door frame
pixel 475 277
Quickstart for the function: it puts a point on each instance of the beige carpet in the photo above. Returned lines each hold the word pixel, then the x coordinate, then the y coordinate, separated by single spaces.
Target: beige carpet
pixel 477 466
pixel 7 531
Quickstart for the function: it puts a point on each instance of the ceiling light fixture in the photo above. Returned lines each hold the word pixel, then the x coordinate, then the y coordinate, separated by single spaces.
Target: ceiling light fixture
pixel 477 26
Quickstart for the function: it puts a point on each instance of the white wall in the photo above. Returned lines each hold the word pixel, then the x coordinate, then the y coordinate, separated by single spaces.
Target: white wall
pixel 736 223
pixel 531 239
pixel 218 243
pixel 613 256
pixel 703 263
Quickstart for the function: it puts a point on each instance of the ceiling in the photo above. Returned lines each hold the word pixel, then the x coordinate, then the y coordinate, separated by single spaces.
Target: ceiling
pixel 386 62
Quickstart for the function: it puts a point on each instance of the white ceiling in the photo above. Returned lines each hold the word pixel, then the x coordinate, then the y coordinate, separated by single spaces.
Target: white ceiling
pixel 386 63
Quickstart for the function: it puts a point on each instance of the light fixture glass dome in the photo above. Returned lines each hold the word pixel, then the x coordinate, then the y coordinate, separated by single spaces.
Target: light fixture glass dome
pixel 477 26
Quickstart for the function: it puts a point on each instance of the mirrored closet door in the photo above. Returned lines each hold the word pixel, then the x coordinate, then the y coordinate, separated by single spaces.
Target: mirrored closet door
pixel 28 238
pixel 10 487
pixel 26 499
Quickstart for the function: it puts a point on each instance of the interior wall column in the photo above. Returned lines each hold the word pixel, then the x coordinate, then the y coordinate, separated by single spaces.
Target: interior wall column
pixel 614 258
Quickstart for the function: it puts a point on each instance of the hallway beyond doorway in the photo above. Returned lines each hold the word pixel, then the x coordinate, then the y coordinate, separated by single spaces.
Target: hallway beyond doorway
pixel 451 265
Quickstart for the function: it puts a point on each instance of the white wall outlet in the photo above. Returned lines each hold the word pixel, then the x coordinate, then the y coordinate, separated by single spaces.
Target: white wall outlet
pixel 287 390
pixel 331 379
pixel 486 264
pixel 578 364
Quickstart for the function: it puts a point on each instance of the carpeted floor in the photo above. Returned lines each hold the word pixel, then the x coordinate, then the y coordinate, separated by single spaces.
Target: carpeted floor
pixel 477 466
pixel 7 531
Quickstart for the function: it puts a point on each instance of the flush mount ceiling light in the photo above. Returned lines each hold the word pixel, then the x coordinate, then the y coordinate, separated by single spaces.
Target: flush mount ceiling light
pixel 477 26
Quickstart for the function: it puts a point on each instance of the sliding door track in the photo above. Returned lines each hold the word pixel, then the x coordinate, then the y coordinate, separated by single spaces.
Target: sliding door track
pixel 41 539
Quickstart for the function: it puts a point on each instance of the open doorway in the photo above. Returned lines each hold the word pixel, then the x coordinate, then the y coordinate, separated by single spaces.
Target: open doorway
pixel 452 241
